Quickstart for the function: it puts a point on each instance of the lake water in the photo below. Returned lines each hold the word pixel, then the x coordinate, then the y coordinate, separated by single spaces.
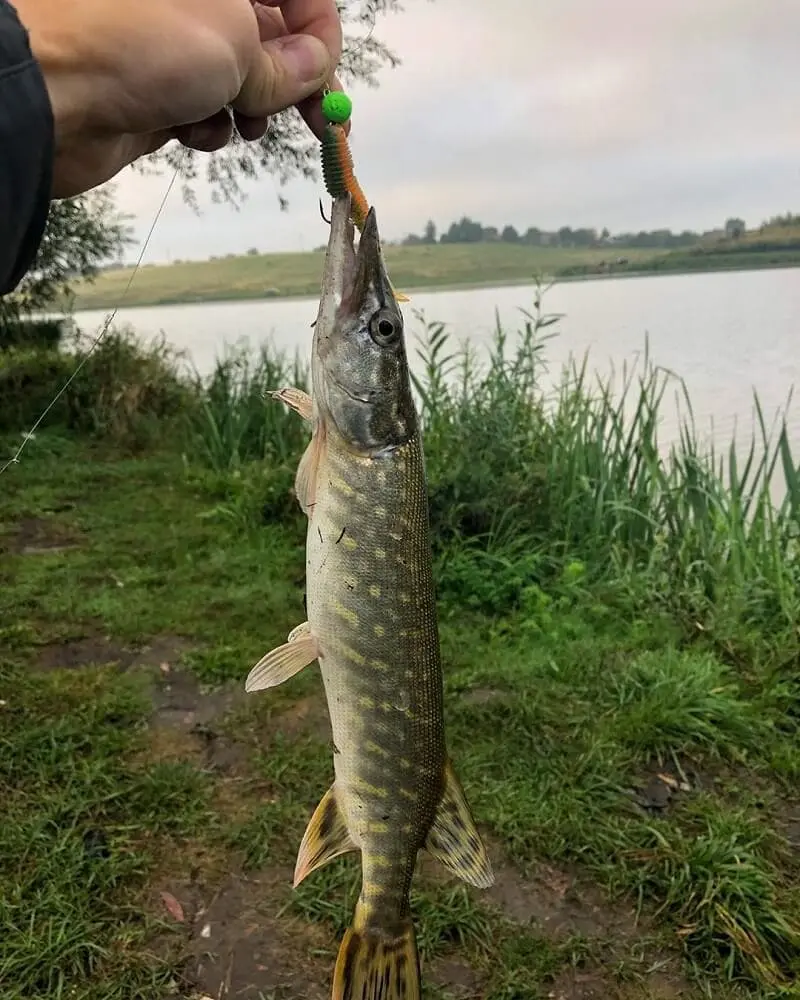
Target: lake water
pixel 725 334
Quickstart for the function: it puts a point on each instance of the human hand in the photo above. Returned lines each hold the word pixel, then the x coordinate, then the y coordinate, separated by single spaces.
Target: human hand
pixel 124 78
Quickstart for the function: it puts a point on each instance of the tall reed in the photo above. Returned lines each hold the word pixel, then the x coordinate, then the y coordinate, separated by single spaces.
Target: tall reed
pixel 534 475
pixel 236 422
pixel 578 472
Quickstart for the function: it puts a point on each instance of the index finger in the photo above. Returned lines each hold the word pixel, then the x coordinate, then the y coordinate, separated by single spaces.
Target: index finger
pixel 312 17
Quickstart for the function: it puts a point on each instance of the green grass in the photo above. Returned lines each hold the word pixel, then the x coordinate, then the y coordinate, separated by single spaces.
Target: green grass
pixel 298 274
pixel 607 612
pixel 83 823
pixel 284 275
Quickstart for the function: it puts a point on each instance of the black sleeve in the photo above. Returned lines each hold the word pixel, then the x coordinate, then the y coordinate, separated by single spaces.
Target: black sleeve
pixel 27 148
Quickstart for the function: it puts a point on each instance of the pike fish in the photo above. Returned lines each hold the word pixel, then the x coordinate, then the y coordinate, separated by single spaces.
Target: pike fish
pixel 372 623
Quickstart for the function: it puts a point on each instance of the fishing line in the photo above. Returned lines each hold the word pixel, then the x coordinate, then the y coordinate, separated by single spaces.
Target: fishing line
pixel 365 7
pixel 28 435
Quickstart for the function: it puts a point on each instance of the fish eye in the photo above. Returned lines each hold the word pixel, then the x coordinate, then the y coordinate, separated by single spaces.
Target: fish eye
pixel 385 328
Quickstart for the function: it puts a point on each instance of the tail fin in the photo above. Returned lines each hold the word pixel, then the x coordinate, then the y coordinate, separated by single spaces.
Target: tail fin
pixel 375 966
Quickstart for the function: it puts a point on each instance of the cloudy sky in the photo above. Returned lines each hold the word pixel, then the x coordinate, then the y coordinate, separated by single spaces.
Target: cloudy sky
pixel 626 114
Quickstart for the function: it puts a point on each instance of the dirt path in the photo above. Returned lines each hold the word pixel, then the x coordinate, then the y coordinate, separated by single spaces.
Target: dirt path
pixel 229 926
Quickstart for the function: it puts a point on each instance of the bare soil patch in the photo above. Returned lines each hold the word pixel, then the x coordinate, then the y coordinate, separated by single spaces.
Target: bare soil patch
pixel 663 786
pixel 788 820
pixel 581 985
pixel 161 652
pixel 39 535
pixel 558 903
pixel 189 716
pixel 79 653
pixel 235 948
pixel 308 716
pixel 594 984
pixel 457 976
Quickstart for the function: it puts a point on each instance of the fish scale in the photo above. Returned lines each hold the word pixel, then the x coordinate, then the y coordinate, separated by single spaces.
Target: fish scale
pixel 386 723
pixel 372 623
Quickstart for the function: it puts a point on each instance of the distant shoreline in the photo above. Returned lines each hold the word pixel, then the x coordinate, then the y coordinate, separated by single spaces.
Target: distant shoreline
pixel 656 266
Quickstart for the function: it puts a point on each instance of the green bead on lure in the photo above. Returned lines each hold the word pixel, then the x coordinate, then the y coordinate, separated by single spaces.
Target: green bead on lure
pixel 337 107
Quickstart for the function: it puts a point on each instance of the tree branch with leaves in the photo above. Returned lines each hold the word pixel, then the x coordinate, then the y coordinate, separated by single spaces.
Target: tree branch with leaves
pixel 81 235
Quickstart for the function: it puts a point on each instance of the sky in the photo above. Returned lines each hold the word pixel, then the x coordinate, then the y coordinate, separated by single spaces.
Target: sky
pixel 630 114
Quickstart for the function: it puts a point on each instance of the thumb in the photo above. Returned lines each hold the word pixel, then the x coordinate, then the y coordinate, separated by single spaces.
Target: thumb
pixel 288 70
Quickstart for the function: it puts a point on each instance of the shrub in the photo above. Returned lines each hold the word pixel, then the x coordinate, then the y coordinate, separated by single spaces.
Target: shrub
pixel 16 332
pixel 29 380
pixel 117 390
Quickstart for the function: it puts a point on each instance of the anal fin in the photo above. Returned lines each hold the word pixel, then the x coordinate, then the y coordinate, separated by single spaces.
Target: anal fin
pixel 326 837
pixel 284 661
pixel 454 839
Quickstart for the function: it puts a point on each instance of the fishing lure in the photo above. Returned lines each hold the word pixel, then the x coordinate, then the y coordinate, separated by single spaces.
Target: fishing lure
pixel 337 161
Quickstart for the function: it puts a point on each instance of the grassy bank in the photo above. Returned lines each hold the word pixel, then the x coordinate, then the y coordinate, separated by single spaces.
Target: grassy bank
pixel 770 247
pixel 294 274
pixel 622 693
pixel 700 260
pixel 466 265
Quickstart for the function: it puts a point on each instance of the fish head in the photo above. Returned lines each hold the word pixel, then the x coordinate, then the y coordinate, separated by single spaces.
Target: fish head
pixel 361 382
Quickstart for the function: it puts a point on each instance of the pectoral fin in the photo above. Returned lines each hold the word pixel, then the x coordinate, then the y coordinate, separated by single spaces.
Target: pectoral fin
pixel 284 661
pixel 454 839
pixel 305 483
pixel 326 837
pixel 296 399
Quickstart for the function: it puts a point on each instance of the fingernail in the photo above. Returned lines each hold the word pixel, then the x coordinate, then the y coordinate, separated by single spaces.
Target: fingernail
pixel 305 57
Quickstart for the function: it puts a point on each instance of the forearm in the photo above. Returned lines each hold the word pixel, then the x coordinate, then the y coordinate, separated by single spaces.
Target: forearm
pixel 26 151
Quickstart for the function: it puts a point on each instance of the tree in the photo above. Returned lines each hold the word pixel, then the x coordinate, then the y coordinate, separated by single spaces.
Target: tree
pixel 288 149
pixel 509 235
pixel 780 221
pixel 734 228
pixel 81 234
pixel 430 232
pixel 463 231
pixel 584 237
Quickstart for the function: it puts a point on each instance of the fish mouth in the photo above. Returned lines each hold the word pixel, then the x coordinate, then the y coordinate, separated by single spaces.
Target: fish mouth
pixel 349 274
pixel 340 263
pixel 359 370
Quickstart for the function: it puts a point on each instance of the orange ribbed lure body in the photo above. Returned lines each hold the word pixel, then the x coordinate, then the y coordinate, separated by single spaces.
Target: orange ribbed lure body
pixel 337 162
pixel 337 172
